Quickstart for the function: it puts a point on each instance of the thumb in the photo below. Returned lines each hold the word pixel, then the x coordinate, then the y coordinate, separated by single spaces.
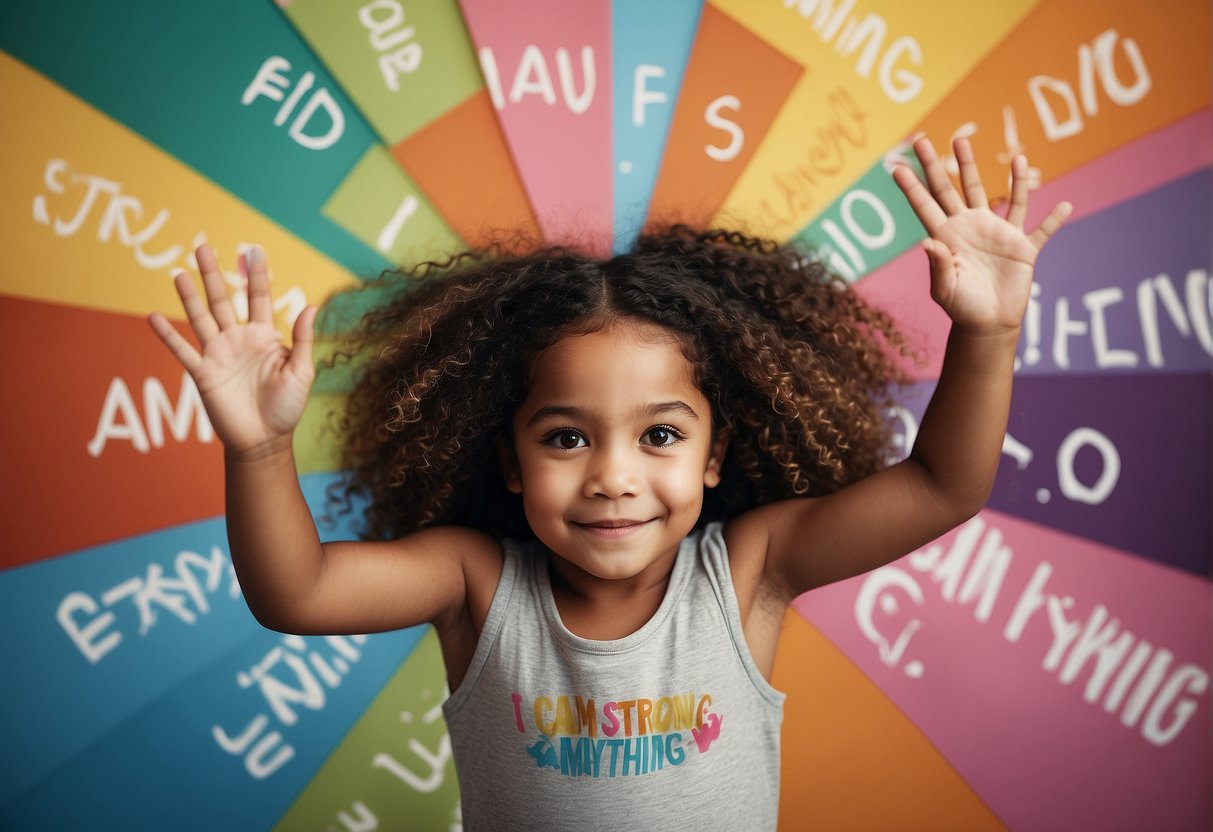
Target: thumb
pixel 302 336
pixel 943 273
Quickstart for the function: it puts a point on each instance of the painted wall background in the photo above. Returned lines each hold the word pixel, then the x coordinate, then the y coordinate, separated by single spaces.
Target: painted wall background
pixel 1045 666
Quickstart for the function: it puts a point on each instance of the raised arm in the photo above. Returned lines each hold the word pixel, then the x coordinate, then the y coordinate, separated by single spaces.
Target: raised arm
pixel 255 389
pixel 981 273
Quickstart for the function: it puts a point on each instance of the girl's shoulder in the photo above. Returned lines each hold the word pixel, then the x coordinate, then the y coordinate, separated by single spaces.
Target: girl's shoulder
pixel 748 537
pixel 479 557
pixel 761 601
pixel 454 569
pixel 482 563
pixel 745 536
pixel 745 540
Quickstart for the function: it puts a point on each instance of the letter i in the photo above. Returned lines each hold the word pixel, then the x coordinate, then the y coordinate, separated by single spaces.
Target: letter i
pixel 1031 328
pixel 492 78
pixel 517 697
pixel 284 112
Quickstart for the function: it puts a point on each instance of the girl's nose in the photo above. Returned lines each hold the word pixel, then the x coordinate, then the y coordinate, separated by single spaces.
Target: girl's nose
pixel 611 475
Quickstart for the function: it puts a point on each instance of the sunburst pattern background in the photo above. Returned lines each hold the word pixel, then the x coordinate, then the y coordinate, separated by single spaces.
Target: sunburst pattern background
pixel 1045 666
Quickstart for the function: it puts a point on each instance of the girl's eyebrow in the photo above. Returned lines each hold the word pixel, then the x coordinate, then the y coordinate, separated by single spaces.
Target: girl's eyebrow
pixel 576 413
pixel 676 406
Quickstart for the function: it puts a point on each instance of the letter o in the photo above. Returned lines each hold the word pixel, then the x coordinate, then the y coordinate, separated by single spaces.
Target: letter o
pixel 663 715
pixel 887 226
pixel 1068 481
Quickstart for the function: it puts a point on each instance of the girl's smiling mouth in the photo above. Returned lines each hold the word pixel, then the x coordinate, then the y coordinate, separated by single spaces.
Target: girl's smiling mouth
pixel 612 528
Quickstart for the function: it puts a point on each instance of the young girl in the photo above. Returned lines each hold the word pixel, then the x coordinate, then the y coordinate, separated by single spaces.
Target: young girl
pixel 604 482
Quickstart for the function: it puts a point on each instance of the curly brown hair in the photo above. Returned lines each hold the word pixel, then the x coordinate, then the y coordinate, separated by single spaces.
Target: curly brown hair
pixel 797 368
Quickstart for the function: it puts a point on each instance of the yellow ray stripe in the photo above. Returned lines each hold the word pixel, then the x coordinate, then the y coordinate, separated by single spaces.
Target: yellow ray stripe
pixel 874 68
pixel 96 216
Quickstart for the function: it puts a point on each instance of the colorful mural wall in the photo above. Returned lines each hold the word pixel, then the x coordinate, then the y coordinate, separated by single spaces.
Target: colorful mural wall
pixel 1046 666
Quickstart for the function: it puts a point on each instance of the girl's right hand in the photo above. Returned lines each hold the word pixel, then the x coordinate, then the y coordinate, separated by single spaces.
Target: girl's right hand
pixel 253 387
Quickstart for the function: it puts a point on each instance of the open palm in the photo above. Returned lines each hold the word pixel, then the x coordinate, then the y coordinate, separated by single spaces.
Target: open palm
pixel 981 263
pixel 254 388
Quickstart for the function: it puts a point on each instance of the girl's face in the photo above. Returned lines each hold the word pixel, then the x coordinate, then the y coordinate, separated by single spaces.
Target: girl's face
pixel 613 447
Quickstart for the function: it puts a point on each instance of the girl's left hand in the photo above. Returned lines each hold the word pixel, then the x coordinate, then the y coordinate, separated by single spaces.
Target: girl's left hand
pixel 981 263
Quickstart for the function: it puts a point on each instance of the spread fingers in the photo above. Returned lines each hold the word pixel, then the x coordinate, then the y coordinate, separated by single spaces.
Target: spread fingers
pixel 938 181
pixel 216 288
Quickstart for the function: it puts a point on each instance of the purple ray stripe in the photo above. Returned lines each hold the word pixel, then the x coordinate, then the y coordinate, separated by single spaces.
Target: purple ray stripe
pixel 1156 427
pixel 1159 427
pixel 1113 286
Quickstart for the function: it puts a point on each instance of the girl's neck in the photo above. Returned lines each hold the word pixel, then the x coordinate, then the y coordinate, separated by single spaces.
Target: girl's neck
pixel 602 609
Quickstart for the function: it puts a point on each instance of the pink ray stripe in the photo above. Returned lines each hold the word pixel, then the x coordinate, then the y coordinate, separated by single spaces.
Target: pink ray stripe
pixel 547 65
pixel 1066 681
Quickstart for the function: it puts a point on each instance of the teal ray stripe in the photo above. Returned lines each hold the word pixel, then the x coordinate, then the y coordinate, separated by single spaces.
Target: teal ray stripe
pixel 177 72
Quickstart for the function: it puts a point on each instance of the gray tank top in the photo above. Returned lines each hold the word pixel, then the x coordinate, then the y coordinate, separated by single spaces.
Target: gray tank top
pixel 671 727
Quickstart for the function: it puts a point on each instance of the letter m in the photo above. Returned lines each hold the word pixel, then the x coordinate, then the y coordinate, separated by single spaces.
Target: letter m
pixel 157 409
pixel 571 756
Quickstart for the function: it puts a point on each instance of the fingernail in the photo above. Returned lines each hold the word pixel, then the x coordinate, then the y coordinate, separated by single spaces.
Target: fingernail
pixel 253 256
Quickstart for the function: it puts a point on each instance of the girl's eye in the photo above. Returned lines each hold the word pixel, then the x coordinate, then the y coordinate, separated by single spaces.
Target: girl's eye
pixel 566 440
pixel 660 436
